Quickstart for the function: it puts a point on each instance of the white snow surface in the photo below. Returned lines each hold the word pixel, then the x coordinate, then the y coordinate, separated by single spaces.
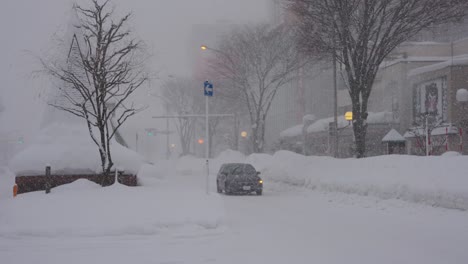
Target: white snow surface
pixel 68 149
pixel 434 181
pixel 388 209
pixel 84 209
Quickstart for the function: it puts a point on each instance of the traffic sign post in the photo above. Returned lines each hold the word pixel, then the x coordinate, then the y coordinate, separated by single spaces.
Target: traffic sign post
pixel 208 89
pixel 208 92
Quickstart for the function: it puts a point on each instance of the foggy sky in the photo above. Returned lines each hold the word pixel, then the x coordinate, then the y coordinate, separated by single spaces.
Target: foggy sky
pixel 27 27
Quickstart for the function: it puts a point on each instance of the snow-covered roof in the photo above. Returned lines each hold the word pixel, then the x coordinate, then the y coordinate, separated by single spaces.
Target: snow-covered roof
pixel 424 43
pixel 292 131
pixel 322 124
pixel 415 59
pixel 68 149
pixel 456 61
pixel 309 117
pixel 373 118
pixel 393 136
pixel 446 129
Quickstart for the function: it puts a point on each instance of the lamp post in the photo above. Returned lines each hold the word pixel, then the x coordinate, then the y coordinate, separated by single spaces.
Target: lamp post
pixel 235 116
pixel 335 106
pixel 462 98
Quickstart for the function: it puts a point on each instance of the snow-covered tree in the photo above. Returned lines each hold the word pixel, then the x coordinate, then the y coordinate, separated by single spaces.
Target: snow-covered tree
pixel 103 68
pixel 258 60
pixel 362 33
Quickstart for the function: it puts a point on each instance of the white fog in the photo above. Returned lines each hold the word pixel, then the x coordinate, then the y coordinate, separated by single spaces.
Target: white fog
pixel 233 131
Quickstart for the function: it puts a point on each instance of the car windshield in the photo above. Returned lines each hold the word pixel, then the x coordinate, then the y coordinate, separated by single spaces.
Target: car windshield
pixel 238 169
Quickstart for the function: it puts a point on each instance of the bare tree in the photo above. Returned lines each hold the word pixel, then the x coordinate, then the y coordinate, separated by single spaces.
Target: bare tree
pixel 182 97
pixel 102 70
pixel 258 60
pixel 362 33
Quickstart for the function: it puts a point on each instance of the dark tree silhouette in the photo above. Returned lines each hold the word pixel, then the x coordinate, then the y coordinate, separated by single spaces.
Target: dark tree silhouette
pixel 362 33
pixel 103 68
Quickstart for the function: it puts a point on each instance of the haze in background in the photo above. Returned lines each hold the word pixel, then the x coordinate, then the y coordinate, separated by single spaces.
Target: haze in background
pixel 29 26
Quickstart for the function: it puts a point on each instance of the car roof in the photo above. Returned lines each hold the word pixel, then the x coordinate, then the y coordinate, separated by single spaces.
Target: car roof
pixel 236 164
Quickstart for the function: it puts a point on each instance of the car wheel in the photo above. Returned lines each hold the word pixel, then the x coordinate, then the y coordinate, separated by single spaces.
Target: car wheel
pixel 259 192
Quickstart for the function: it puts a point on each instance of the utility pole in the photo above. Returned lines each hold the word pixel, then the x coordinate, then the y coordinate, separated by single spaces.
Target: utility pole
pixel 335 107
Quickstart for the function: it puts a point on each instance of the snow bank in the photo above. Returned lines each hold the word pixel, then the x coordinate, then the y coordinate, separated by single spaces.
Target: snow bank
pixel 69 149
pixel 437 181
pixel 83 208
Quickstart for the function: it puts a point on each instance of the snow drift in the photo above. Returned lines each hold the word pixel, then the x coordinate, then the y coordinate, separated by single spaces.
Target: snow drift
pixel 69 149
pixel 435 181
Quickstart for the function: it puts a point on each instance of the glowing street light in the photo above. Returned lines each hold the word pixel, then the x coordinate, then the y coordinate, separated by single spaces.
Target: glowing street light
pixel 349 116
pixel 201 141
pixel 203 47
pixel 244 134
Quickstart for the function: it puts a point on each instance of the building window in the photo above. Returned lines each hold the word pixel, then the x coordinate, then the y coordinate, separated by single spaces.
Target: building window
pixel 430 97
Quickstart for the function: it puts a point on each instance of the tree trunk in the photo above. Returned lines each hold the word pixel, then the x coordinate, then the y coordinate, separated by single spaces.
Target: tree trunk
pixel 359 120
pixel 360 132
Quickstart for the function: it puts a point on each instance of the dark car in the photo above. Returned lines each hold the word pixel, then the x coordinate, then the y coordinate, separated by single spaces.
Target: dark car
pixel 238 178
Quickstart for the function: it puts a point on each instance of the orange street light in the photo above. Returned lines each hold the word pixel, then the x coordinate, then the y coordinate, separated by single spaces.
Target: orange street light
pixel 201 141
pixel 203 47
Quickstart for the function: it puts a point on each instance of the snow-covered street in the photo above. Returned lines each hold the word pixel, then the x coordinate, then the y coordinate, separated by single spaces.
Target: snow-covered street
pixel 172 220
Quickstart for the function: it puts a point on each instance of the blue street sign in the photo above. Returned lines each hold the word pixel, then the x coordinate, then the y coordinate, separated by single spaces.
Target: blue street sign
pixel 208 88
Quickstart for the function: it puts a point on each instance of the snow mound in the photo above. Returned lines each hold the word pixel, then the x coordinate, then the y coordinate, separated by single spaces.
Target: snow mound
pixel 68 149
pixel 79 185
pixel 451 154
pixel 111 211
pixel 152 174
pixel 434 181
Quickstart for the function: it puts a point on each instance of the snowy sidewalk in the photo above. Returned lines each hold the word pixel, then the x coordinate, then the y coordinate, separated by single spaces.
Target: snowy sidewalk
pixel 84 208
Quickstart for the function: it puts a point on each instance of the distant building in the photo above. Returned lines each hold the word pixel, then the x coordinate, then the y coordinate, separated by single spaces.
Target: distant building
pixel 434 64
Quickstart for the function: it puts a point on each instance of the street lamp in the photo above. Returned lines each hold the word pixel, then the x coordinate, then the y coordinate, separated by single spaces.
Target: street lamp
pixel 349 116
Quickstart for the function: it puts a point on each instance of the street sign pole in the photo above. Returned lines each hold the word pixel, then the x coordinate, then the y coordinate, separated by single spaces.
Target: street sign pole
pixel 207 134
pixel 208 92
